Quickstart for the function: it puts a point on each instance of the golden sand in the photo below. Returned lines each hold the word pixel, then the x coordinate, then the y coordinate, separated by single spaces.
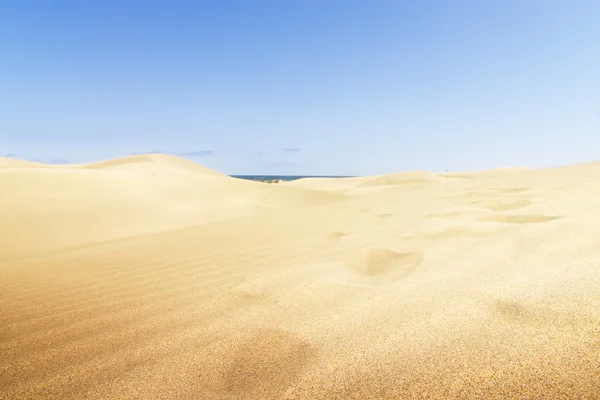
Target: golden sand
pixel 152 277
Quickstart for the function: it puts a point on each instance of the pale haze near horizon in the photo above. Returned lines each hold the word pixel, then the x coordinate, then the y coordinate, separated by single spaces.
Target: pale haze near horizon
pixel 303 87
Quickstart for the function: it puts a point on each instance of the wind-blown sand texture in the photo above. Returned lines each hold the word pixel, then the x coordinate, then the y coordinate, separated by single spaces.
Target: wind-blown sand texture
pixel 152 277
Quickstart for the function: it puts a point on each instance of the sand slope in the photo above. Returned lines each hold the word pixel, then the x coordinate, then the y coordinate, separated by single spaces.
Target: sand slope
pixel 461 287
pixel 48 208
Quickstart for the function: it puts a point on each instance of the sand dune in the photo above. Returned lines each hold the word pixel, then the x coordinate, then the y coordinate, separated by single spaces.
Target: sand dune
pixel 49 208
pixel 6 163
pixel 358 184
pixel 153 277
pixel 152 162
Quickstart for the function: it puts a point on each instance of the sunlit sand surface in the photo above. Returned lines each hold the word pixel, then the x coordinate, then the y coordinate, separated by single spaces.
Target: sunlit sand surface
pixel 152 277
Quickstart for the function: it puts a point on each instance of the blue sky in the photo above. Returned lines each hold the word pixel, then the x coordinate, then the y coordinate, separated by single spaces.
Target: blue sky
pixel 303 86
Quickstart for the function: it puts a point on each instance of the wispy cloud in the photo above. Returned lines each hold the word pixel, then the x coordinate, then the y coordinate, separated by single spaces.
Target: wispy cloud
pixel 197 153
pixel 9 155
pixel 290 150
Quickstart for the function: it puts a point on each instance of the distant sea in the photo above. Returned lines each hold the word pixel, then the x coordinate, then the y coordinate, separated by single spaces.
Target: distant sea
pixel 281 177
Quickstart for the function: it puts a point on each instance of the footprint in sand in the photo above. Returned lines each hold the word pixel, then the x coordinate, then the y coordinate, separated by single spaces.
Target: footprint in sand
pixel 385 214
pixel 455 212
pixel 334 237
pixel 511 311
pixel 502 205
pixel 242 298
pixel 262 365
pixel 522 219
pixel 458 231
pixel 482 195
pixel 512 189
pixel 329 241
pixel 384 262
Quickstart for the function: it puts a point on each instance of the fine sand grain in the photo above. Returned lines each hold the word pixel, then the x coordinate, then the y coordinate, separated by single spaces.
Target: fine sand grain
pixel 152 277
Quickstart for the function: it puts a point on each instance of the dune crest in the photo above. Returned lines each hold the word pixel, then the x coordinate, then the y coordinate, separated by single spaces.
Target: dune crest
pixel 149 162
pixel 6 163
pixel 49 209
pixel 402 178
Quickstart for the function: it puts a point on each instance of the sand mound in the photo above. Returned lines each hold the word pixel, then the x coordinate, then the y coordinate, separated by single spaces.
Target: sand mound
pixel 139 163
pixel 350 185
pixel 152 162
pixel 404 178
pixel 6 163
pixel 336 185
pixel 498 172
pixel 479 288
pixel 54 208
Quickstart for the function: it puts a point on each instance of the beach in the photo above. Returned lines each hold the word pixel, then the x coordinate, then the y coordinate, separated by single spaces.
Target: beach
pixel 153 277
